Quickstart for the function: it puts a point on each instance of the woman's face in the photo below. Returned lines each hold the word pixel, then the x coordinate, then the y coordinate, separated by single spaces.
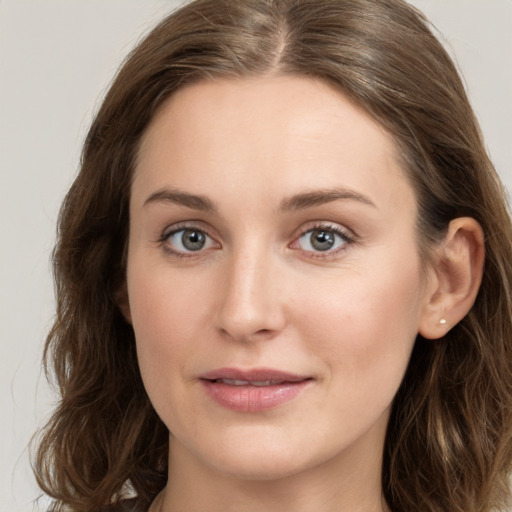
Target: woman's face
pixel 274 281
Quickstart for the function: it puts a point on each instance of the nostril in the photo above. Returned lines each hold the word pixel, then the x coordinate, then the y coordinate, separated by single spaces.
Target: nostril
pixel 264 332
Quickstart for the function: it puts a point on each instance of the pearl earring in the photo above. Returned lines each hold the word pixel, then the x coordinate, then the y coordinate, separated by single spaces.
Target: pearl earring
pixel 442 321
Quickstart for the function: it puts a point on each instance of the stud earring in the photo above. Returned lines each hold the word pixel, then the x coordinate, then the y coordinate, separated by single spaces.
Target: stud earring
pixel 442 321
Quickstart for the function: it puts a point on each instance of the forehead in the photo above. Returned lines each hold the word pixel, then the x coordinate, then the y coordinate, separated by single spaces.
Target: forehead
pixel 269 133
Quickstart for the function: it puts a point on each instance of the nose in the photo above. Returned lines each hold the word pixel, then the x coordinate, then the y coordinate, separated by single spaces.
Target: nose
pixel 251 306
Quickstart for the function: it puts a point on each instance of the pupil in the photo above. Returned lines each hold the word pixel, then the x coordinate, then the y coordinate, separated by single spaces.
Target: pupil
pixel 322 240
pixel 193 240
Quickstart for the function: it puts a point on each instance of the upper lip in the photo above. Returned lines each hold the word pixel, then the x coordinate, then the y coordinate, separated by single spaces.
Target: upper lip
pixel 253 375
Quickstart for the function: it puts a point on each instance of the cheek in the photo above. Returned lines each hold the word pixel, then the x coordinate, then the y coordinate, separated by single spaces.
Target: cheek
pixel 166 316
pixel 163 301
pixel 365 324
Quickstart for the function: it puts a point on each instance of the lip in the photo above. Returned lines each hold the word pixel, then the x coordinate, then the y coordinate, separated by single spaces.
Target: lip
pixel 275 388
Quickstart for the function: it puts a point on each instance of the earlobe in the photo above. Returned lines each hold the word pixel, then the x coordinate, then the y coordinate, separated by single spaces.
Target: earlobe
pixel 121 298
pixel 456 276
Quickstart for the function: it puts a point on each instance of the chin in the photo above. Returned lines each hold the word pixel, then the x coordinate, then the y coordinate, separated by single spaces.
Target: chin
pixel 262 460
pixel 269 469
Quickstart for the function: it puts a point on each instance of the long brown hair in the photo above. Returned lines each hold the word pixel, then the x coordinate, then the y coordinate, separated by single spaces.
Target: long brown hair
pixel 449 440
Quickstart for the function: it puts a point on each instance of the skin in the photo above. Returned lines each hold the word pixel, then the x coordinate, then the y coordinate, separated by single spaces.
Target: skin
pixel 259 295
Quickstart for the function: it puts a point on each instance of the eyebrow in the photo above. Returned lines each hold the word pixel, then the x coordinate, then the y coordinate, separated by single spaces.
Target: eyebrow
pixel 195 202
pixel 318 197
pixel 300 201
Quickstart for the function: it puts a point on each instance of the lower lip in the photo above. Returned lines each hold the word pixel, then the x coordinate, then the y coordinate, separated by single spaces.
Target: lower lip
pixel 253 398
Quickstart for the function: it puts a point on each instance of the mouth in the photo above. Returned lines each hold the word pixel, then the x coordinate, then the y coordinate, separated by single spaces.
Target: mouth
pixel 253 390
pixel 257 383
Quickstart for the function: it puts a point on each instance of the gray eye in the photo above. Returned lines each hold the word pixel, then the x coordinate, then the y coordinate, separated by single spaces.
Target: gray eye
pixel 193 240
pixel 321 240
pixel 189 240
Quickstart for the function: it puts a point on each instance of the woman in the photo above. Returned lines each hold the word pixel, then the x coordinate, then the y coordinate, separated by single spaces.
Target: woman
pixel 283 274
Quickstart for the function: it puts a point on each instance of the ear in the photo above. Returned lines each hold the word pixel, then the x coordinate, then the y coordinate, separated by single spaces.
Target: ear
pixel 122 301
pixel 454 278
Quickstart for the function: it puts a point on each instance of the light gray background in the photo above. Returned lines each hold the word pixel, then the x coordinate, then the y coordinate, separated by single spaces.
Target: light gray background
pixel 56 60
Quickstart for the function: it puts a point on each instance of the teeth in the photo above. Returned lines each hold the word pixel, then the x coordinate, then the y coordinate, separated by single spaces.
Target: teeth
pixel 264 382
pixel 235 382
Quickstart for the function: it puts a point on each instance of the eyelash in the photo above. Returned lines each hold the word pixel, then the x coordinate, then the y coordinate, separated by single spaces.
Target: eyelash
pixel 347 238
pixel 163 241
pixel 329 228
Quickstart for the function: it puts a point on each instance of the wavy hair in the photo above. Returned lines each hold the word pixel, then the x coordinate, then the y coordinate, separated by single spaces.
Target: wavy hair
pixel 449 440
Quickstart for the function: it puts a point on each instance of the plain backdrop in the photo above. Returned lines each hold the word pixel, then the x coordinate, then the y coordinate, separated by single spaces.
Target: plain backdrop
pixel 57 58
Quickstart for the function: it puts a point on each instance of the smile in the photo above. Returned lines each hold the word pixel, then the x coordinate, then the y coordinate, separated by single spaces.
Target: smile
pixel 254 390
pixel 235 382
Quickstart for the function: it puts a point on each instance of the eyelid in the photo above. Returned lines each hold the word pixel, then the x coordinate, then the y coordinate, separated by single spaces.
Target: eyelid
pixel 163 239
pixel 347 235
pixel 173 228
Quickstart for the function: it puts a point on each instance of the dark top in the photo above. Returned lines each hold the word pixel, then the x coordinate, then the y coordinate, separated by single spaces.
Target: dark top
pixel 125 506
